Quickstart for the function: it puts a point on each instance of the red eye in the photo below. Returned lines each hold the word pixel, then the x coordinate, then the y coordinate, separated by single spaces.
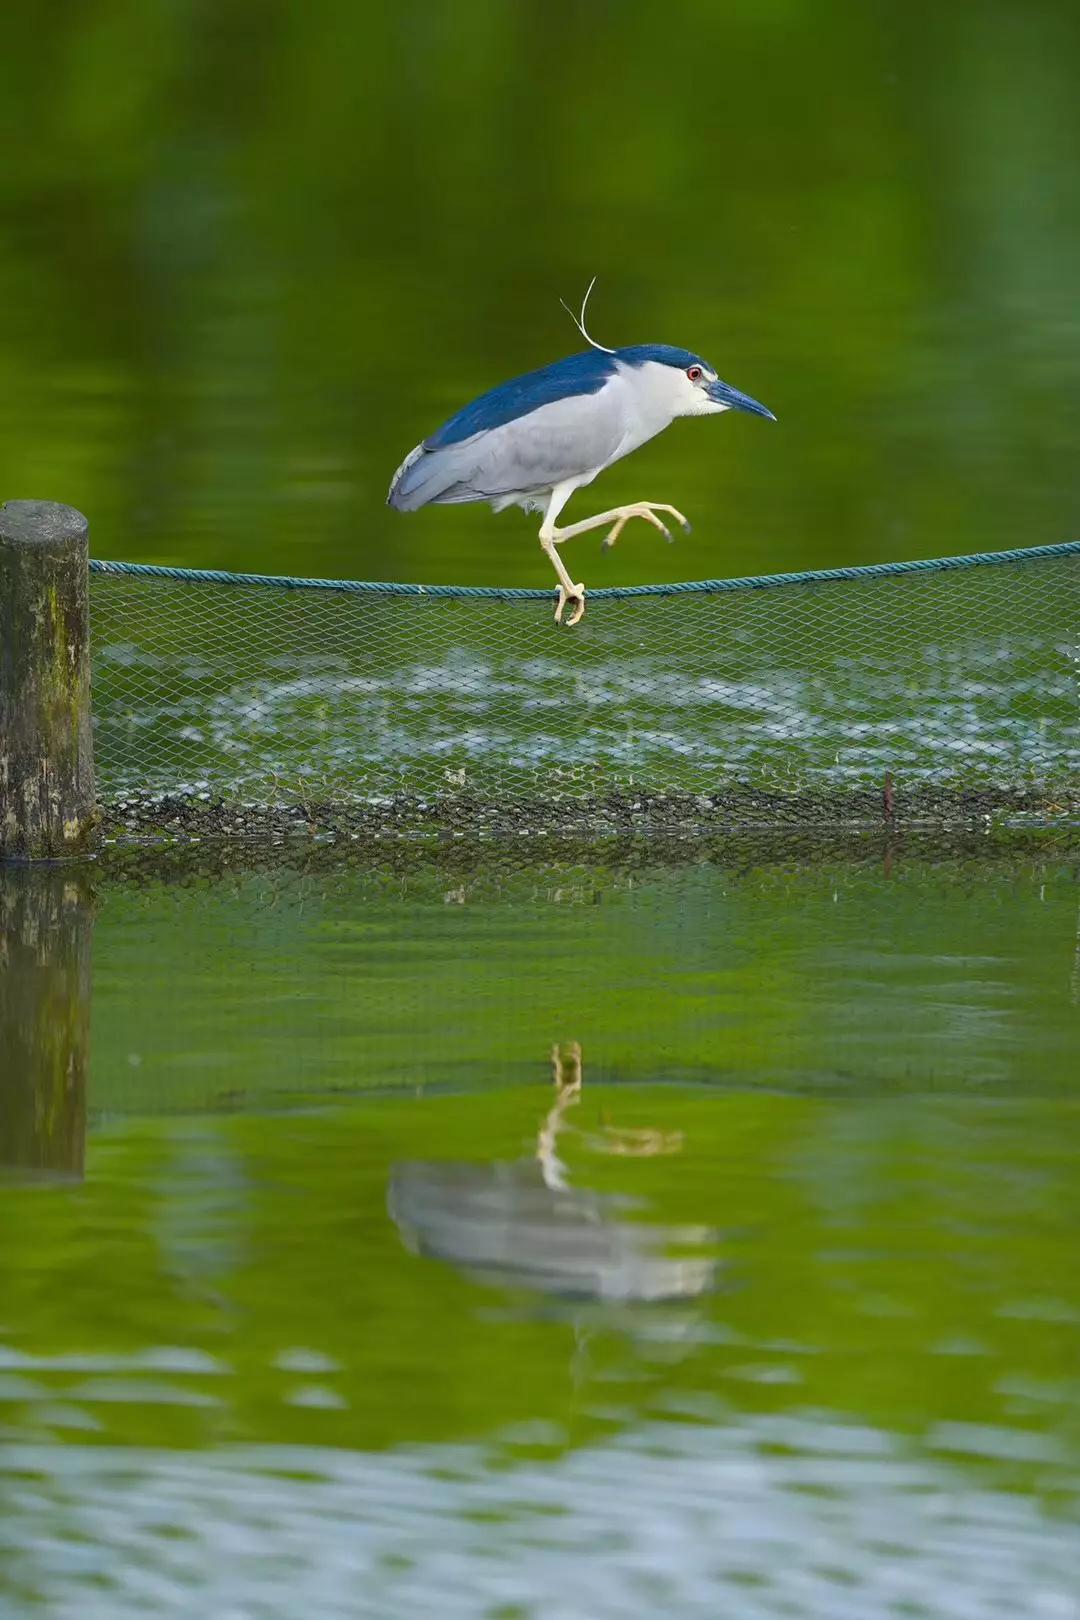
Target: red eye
pixel 694 373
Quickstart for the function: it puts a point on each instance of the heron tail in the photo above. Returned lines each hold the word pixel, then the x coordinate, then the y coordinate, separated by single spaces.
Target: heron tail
pixel 431 475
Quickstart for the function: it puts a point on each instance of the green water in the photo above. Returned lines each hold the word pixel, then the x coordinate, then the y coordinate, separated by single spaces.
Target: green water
pixel 317 1297
pixel 250 253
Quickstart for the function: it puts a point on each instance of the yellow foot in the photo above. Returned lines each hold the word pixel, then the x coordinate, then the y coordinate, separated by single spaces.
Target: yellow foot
pixel 648 511
pixel 564 598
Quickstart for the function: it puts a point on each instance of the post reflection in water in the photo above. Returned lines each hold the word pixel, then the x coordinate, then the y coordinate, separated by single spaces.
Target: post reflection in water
pixel 520 1222
pixel 46 929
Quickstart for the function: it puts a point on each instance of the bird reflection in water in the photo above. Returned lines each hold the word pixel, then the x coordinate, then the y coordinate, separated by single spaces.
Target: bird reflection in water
pixel 521 1223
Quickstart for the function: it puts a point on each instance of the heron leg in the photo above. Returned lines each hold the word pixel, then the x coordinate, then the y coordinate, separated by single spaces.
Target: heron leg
pixel 568 592
pixel 619 517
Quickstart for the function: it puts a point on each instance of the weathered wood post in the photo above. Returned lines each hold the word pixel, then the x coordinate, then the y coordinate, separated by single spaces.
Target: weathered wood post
pixel 46 931
pixel 46 749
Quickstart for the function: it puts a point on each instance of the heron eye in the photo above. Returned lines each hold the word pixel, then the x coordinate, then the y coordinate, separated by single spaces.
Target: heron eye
pixel 694 373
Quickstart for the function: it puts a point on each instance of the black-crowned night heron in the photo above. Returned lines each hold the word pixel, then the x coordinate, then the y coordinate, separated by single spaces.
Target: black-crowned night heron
pixel 520 1222
pixel 533 441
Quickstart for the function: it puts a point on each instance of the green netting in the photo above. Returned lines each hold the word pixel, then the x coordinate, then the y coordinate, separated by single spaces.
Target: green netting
pixel 915 691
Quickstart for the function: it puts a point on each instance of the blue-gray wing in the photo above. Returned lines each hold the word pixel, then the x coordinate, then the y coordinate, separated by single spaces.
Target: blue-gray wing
pixel 527 434
pixel 567 438
pixel 564 379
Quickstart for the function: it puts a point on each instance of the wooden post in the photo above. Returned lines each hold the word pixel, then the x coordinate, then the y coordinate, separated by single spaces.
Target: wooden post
pixel 46 750
pixel 46 930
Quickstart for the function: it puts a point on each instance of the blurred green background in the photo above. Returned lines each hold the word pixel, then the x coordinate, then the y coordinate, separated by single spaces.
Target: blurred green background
pixel 252 251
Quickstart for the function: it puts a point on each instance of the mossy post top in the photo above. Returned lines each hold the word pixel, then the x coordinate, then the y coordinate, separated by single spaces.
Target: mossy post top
pixel 42 523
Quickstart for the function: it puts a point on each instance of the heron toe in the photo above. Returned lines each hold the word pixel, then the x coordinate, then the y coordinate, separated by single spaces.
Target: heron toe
pixel 574 598
pixel 617 528
pixel 642 509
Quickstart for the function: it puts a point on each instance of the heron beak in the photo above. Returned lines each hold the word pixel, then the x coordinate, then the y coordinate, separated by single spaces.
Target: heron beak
pixel 721 393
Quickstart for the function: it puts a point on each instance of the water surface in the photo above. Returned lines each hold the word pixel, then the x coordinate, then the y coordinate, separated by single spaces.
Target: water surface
pixel 351 1310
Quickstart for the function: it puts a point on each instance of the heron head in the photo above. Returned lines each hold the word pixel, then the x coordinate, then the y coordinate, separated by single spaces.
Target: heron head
pixel 704 394
pixel 688 384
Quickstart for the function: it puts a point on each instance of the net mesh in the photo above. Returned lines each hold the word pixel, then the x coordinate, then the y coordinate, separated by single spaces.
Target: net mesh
pixel 919 692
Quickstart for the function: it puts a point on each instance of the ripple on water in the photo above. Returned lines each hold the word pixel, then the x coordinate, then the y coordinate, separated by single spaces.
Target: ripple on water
pixel 804 1517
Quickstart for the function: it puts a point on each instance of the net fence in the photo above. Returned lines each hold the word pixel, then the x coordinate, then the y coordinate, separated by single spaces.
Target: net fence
pixel 916 692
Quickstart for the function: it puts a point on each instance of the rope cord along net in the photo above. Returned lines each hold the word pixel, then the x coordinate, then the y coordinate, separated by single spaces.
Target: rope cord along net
pixel 921 692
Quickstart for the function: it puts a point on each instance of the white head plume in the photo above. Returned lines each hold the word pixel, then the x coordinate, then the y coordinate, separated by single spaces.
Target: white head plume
pixel 579 320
